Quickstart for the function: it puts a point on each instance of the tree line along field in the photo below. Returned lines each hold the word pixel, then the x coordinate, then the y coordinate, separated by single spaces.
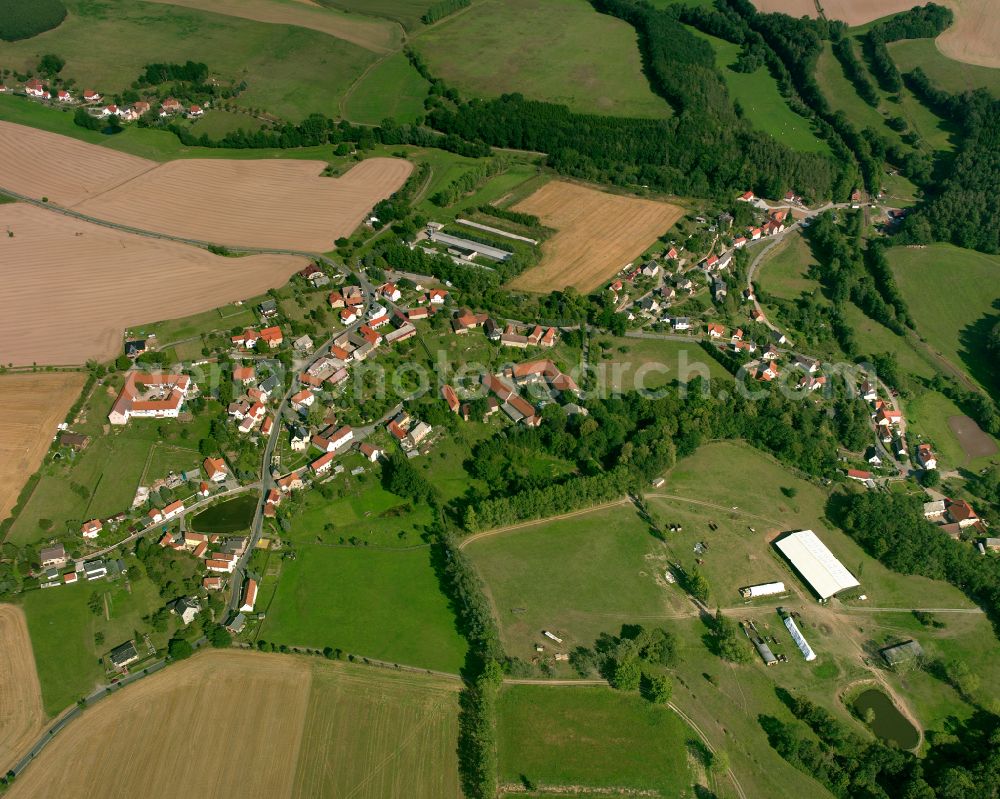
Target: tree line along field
pixel 948 74
pixel 290 71
pixel 31 406
pixel 406 12
pixel 277 725
pixel 496 47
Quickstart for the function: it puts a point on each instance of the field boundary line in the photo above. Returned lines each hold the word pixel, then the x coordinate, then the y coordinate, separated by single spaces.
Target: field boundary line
pixel 532 523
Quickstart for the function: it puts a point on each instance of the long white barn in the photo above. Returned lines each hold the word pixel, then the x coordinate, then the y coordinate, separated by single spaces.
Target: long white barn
pixel 817 565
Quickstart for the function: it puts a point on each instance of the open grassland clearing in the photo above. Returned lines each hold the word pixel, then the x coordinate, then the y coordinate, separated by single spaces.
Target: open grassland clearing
pixel 945 73
pixel 874 337
pixel 89 283
pixel 632 364
pixel 952 295
pixel 934 417
pixel 63 629
pixel 733 480
pixel 275 725
pixel 785 271
pixel 392 88
pixel 290 71
pixel 66 171
pixel 31 407
pixel 576 577
pixel 216 124
pixel 371 34
pixel 591 737
pixel 757 93
pixel 21 714
pixel 379 603
pixel 597 234
pixel 497 47
pixel 974 37
pixel 278 204
pixel 406 12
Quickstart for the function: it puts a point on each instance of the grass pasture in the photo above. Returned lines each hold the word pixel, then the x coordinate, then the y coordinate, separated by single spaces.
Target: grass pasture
pixel 757 92
pixel 384 604
pixel 392 88
pixel 598 233
pixel 785 273
pixel 944 72
pixel 591 737
pixel 651 364
pixel 406 12
pixel 290 71
pixel 577 577
pixel 933 416
pixel 501 46
pixel 957 328
pixel 305 727
pixel 218 123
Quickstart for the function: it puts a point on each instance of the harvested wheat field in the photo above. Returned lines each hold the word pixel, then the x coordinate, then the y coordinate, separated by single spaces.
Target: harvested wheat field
pixel 597 234
pixel 281 204
pixel 21 716
pixel 32 405
pixel 853 12
pixel 373 34
pixel 72 287
pixel 41 164
pixel 235 723
pixel 974 38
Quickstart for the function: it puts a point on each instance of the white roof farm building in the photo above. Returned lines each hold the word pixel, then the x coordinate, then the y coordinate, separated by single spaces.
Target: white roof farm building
pixel 817 565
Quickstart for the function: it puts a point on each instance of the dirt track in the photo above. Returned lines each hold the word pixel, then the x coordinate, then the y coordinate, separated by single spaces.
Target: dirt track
pixel 598 233
pixel 72 287
pixel 21 714
pixel 31 406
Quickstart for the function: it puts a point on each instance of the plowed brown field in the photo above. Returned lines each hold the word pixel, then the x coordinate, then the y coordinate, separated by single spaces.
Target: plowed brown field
pixel 41 164
pixel 598 234
pixel 70 288
pixel 239 723
pixel 31 406
pixel 21 714
pixel 282 204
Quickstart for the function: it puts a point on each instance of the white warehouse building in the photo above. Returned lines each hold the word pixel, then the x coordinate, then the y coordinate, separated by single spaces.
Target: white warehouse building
pixel 816 564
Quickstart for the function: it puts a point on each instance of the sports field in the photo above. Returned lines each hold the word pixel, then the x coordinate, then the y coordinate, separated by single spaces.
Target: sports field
pixel 31 406
pixel 378 603
pixel 591 737
pixel 502 46
pixel 951 294
pixel 575 577
pixel 290 71
pixel 21 714
pixel 88 283
pixel 597 234
pixel 228 723
pixel 371 34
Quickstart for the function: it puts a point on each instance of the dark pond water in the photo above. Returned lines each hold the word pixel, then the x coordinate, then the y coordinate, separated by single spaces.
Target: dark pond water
pixel 230 516
pixel 888 723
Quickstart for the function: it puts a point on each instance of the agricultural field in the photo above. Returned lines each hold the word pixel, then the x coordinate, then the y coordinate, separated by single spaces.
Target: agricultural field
pixel 290 71
pixel 21 714
pixel 946 73
pixel 757 92
pixel 597 234
pixel 406 12
pixel 378 603
pixel 31 407
pixel 90 283
pixel 371 34
pixel 591 737
pixel 497 47
pixel 955 329
pixel 974 37
pixel 392 88
pixel 576 577
pixel 63 630
pixel 853 12
pixel 277 725
pixel 279 204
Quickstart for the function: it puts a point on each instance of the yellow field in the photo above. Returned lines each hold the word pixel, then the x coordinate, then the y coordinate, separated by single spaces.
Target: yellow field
pixel 31 406
pixel 239 723
pixel 975 36
pixel 597 234
pixel 21 716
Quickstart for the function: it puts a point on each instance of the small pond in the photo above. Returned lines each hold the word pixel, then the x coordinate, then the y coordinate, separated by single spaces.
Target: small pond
pixel 886 721
pixel 230 516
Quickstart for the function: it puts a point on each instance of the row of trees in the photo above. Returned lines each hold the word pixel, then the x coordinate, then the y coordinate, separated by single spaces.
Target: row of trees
pixel 919 22
pixel 470 180
pixel 443 9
